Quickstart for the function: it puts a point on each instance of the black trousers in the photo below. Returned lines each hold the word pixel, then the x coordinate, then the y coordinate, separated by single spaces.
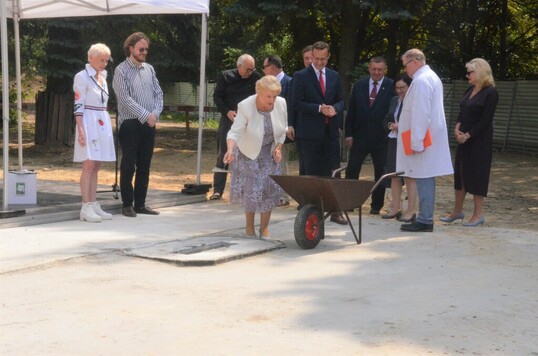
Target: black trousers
pixel 219 179
pixel 319 156
pixel 379 157
pixel 137 141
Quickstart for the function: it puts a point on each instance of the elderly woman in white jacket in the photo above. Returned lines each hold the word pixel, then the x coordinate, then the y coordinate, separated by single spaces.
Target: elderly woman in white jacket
pixel 254 144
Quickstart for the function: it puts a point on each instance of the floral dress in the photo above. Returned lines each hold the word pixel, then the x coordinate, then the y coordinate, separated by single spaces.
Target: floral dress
pixel 251 186
pixel 91 101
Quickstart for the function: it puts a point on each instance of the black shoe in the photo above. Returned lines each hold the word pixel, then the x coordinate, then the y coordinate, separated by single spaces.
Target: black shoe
pixel 146 210
pixel 374 212
pixel 417 227
pixel 128 211
pixel 338 218
pixel 410 220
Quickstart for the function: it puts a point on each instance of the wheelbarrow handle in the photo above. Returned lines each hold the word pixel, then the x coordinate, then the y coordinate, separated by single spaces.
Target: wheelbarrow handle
pixel 383 177
pixel 338 170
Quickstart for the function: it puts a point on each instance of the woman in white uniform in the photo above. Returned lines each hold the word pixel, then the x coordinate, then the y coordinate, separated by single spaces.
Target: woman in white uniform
pixel 94 142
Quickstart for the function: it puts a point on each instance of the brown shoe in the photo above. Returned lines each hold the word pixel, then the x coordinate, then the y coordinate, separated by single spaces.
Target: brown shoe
pixel 128 211
pixel 392 216
pixel 146 210
pixel 338 218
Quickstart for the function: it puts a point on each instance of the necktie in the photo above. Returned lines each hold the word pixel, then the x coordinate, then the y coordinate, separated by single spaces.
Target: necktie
pixel 373 94
pixel 322 85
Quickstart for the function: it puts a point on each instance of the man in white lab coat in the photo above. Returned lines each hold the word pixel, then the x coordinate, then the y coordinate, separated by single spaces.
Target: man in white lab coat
pixel 423 113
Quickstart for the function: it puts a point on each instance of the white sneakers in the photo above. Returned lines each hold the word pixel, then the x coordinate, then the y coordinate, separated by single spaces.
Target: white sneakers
pixel 97 208
pixel 92 212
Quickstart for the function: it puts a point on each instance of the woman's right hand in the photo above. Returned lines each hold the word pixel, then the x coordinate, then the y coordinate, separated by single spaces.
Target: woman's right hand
pixel 228 157
pixel 81 138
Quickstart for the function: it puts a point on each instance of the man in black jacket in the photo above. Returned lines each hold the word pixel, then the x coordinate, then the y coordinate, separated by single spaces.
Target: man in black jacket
pixel 364 131
pixel 233 86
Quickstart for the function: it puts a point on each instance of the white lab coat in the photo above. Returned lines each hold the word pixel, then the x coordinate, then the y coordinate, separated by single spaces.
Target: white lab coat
pixel 422 110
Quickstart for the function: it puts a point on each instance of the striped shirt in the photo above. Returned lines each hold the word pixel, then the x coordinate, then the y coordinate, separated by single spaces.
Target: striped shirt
pixel 138 91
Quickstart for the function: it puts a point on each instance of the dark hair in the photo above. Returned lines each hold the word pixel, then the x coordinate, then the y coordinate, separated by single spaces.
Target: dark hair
pixel 321 46
pixel 132 40
pixel 274 60
pixel 307 49
pixel 404 77
pixel 378 59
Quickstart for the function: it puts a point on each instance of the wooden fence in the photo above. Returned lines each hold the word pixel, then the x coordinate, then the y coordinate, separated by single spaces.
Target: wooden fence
pixel 516 118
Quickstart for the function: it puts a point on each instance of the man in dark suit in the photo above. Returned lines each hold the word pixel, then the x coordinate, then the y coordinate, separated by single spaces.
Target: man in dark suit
pixel 317 101
pixel 272 65
pixel 233 86
pixel 364 131
pixel 307 60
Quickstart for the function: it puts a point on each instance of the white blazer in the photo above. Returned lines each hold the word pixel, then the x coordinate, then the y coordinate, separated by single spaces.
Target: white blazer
pixel 422 110
pixel 247 130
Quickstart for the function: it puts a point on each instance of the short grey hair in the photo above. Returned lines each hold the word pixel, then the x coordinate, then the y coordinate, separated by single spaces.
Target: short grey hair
pixel 244 58
pixel 97 50
pixel 414 53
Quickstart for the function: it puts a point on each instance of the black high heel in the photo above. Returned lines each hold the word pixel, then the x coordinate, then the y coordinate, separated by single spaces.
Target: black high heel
pixel 410 220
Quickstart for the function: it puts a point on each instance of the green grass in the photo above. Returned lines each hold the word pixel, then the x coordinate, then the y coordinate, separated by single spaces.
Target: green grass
pixel 180 117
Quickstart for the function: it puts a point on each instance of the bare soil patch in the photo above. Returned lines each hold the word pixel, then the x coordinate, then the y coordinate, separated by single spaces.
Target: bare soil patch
pixel 512 201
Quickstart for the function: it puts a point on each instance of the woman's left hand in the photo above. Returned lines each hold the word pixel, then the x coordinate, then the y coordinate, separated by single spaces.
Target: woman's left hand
pixel 277 155
pixel 462 138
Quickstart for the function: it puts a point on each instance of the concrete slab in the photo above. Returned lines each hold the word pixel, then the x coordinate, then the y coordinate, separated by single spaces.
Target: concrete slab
pixel 60 201
pixel 205 251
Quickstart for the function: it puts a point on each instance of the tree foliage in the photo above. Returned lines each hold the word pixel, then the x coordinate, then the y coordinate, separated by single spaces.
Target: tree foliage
pixel 450 32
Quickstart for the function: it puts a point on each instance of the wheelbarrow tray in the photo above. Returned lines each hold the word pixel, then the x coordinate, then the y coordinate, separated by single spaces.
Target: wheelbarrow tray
pixel 329 194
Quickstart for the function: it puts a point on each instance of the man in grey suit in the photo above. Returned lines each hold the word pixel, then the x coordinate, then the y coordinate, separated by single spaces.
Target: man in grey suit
pixel 364 131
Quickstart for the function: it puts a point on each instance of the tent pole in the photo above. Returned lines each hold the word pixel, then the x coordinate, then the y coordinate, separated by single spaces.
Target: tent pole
pixel 201 96
pixel 18 73
pixel 5 100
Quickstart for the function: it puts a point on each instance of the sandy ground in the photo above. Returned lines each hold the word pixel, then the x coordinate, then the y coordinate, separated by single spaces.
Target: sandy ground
pixel 451 292
pixel 512 201
pixel 454 291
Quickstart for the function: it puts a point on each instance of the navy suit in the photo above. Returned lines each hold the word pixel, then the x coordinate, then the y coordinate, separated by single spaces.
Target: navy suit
pixel 318 140
pixel 285 82
pixel 365 124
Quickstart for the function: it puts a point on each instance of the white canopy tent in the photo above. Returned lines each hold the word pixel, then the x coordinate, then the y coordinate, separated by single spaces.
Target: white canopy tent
pixel 32 9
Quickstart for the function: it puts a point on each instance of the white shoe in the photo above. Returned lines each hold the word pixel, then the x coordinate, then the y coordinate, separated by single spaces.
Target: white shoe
pixel 88 214
pixel 103 214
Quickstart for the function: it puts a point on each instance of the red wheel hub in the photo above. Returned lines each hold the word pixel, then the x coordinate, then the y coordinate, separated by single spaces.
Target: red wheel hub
pixel 311 228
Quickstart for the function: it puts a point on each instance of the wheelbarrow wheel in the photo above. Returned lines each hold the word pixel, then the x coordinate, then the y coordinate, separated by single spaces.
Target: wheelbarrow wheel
pixel 309 228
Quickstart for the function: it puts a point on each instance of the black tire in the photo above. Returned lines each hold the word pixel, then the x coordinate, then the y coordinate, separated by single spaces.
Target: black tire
pixel 306 236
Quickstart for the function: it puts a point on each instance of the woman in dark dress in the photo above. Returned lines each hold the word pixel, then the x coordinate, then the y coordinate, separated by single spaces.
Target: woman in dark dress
pixel 474 135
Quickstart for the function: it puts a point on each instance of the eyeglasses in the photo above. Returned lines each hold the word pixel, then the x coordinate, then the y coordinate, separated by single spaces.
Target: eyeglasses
pixel 405 65
pixel 250 70
pixel 266 65
pixel 142 50
pixel 469 72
